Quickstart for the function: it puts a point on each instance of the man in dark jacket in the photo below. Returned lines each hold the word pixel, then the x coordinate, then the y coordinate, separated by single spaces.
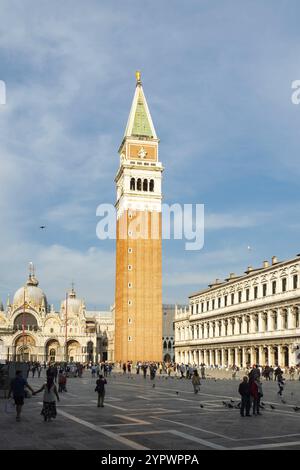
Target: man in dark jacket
pixel 244 391
pixel 17 388
pixel 100 388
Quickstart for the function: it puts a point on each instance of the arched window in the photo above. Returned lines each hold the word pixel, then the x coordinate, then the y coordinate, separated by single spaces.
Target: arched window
pixel 165 344
pixel 139 184
pixel 145 185
pixel 169 345
pixel 151 187
pixel 132 184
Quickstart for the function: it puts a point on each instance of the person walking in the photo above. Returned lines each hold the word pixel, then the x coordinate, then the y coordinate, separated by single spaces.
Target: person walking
pixel 196 381
pixel 260 393
pixel 17 389
pixel 49 403
pixel 280 381
pixel 254 392
pixel 254 373
pixel 144 368
pixel 93 369
pixel 100 389
pixel 244 391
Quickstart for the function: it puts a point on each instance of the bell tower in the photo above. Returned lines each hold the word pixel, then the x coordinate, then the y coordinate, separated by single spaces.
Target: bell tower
pixel 138 294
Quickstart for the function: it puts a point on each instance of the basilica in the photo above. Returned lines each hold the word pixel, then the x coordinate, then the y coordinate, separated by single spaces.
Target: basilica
pixel 31 329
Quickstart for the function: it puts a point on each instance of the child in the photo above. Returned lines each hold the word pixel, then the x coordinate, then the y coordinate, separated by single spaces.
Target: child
pixel 62 382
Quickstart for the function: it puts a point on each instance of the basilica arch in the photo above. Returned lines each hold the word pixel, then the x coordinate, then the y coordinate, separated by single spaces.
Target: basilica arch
pixel 25 348
pixel 28 320
pixel 74 351
pixel 52 350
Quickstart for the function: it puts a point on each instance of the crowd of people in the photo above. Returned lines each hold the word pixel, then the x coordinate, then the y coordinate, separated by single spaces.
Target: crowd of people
pixel 250 389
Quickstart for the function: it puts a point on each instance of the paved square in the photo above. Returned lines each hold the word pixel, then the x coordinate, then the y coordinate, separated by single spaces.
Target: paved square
pixel 138 415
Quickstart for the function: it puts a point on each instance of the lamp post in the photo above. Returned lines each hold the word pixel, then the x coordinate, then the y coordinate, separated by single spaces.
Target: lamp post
pixel 66 329
pixel 23 324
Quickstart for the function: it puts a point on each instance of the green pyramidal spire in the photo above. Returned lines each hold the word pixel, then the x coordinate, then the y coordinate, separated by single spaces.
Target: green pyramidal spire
pixel 139 122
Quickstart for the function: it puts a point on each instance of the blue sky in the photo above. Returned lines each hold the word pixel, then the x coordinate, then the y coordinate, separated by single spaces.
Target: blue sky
pixel 217 76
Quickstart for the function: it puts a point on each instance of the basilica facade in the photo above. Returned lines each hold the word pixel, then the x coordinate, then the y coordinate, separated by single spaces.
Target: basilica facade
pixel 249 319
pixel 31 329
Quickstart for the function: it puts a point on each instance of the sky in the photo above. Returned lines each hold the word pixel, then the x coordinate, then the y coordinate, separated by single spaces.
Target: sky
pixel 217 76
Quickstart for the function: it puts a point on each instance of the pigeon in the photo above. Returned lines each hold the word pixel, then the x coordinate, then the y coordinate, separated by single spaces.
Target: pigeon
pixel 224 403
pixel 262 403
pixel 284 402
pixel 201 406
pixel 229 405
pixel 43 226
pixel 177 393
pixel 272 407
pixel 231 401
pixel 296 408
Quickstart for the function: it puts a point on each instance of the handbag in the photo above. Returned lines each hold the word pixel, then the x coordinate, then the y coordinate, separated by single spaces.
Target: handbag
pixel 9 406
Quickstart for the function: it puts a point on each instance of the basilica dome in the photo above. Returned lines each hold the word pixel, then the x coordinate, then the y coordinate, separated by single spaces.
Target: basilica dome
pixel 34 296
pixel 75 305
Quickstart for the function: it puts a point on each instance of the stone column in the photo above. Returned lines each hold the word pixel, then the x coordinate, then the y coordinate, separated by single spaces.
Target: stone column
pixel 211 357
pixel 236 357
pixel 252 355
pixel 269 320
pixel 244 325
pixel 291 356
pixel 232 323
pixel 222 357
pixel 201 356
pixel 205 360
pixel 244 356
pixel 261 327
pixel 252 323
pixel 279 319
pixel 217 357
pixel 230 356
pixel 291 318
pixel 280 356
pixel 195 356
pixel 261 356
pixel 223 328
